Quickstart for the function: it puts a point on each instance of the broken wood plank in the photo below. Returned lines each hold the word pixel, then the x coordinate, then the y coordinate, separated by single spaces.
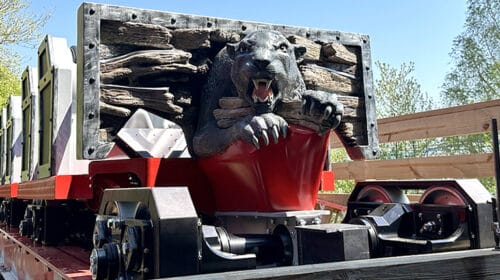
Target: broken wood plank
pixel 313 50
pixel 159 99
pixel 336 52
pixel 321 78
pixel 232 103
pixel 191 39
pixel 224 36
pixel 143 34
pixel 134 73
pixel 114 110
pixel 236 113
pixel 146 58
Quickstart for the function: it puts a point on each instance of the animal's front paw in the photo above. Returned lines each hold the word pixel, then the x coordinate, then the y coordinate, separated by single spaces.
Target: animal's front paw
pixel 257 129
pixel 323 108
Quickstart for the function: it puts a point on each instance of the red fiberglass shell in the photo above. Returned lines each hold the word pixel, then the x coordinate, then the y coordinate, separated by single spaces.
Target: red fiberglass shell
pixel 279 177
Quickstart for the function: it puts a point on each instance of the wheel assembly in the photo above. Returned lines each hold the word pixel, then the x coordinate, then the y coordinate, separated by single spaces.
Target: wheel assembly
pixel 442 195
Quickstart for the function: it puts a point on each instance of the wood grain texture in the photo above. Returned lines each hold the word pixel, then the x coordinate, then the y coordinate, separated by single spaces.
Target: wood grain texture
pixel 458 166
pixel 159 99
pixel 460 120
pixel 150 35
pixel 313 50
pixel 335 52
pixel 322 78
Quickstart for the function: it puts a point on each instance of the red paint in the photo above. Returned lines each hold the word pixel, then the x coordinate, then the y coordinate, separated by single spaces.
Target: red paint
pixel 279 177
pixel 152 172
pixel 327 181
pixel 72 187
pixel 14 187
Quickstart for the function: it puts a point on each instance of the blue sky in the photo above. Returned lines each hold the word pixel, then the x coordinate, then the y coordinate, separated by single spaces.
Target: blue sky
pixel 400 31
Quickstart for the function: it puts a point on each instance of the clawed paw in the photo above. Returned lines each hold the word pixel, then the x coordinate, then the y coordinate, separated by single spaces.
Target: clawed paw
pixel 323 108
pixel 260 129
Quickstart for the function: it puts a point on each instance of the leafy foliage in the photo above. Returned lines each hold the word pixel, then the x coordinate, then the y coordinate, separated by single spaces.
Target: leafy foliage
pixel 398 93
pixel 475 76
pixel 341 186
pixel 17 27
pixel 9 84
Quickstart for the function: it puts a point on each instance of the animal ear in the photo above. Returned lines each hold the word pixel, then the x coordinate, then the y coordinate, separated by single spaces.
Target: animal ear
pixel 231 49
pixel 299 51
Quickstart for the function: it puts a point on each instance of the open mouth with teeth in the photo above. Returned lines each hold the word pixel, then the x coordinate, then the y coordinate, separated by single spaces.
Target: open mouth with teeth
pixel 262 91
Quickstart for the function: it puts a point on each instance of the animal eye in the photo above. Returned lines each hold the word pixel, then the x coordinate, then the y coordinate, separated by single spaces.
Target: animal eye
pixel 283 47
pixel 244 47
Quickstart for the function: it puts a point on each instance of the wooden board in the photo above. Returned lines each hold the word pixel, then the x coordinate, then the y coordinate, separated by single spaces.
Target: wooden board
pixel 459 120
pixel 461 166
pixel 471 264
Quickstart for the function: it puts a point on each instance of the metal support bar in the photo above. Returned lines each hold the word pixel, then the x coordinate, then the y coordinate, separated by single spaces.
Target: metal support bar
pixel 496 155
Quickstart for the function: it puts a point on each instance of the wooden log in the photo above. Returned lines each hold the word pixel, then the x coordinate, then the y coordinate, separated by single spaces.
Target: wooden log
pixel 134 73
pixel 321 78
pixel 146 35
pixel 233 113
pixel 461 166
pixel 159 99
pixel 336 52
pixel 224 36
pixel 114 110
pixel 232 103
pixel 107 51
pixel 146 58
pixel 191 39
pixel 350 70
pixel 313 49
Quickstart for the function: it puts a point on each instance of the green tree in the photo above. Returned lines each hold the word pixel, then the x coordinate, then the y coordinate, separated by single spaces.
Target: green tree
pixel 475 75
pixel 398 93
pixel 18 27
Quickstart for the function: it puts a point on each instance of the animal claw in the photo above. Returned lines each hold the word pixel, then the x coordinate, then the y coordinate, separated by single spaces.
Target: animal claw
pixel 327 112
pixel 284 131
pixel 265 137
pixel 275 134
pixel 255 142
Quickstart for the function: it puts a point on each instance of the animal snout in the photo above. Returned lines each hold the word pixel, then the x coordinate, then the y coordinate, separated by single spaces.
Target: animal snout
pixel 261 63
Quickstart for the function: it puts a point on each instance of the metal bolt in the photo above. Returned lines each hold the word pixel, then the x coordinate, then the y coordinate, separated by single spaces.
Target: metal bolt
pixel 115 223
pixel 146 251
pixel 146 270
